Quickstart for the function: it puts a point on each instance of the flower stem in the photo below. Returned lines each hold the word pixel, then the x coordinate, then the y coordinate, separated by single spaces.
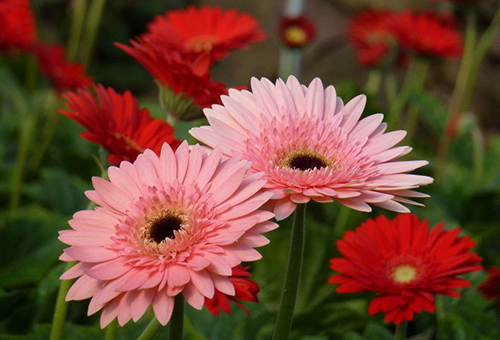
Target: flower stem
pixel 439 316
pixel 400 333
pixel 290 61
pixel 61 307
pixel 78 17
pixel 373 82
pixel 151 330
pixel 93 20
pixel 292 276
pixel 111 330
pixel 418 84
pixel 177 320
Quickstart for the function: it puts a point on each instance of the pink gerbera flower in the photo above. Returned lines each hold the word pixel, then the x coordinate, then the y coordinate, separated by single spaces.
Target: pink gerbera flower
pixel 312 146
pixel 167 225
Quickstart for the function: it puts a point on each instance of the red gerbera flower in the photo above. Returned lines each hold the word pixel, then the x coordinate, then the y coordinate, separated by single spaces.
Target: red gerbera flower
pixel 205 29
pixel 116 122
pixel 429 34
pixel 404 262
pixel 245 290
pixel 296 31
pixel 188 81
pixel 372 34
pixel 63 74
pixel 491 287
pixel 17 24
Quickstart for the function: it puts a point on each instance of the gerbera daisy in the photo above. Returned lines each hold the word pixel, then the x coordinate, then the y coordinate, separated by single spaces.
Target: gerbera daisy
pixel 116 122
pixel 404 262
pixel 186 85
pixel 209 29
pixel 245 290
pixel 429 34
pixel 17 28
pixel 373 36
pixel 63 74
pixel 166 225
pixel 312 146
pixel 491 287
pixel 296 31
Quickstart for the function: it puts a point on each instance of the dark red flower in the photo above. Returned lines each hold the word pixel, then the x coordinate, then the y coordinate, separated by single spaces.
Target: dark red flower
pixel 491 287
pixel 296 31
pixel 404 262
pixel 63 74
pixel 116 122
pixel 429 34
pixel 17 24
pixel 372 34
pixel 245 290
pixel 206 29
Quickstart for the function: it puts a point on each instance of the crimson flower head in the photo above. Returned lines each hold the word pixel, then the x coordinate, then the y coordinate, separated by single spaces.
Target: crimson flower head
pixel 429 34
pixel 188 84
pixel 245 290
pixel 491 287
pixel 17 24
pixel 116 122
pixel 205 29
pixel 372 34
pixel 63 74
pixel 404 262
pixel 296 31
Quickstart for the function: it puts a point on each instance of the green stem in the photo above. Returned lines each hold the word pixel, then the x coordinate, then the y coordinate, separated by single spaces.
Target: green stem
pixel 420 77
pixel 439 317
pixel 177 320
pixel 61 307
pixel 111 330
pixel 341 222
pixel 400 333
pixel 292 276
pixel 151 330
pixel 390 88
pixel 93 20
pixel 31 72
pixel 290 62
pixel 77 19
pixel 401 99
pixel 455 105
pixel 478 151
pixel 373 82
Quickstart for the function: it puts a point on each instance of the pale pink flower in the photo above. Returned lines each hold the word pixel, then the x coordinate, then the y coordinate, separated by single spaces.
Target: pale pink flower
pixel 312 146
pixel 166 225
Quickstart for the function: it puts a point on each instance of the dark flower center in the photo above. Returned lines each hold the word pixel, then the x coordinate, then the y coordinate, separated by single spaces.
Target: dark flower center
pixel 306 161
pixel 164 227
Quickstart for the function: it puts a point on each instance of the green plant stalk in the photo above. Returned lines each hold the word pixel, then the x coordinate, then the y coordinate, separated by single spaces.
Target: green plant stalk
pixel 455 105
pixel 177 320
pixel 61 307
pixel 151 330
pixel 478 151
pixel 439 316
pixel 390 88
pixel 292 276
pixel 400 333
pixel 93 19
pixel 31 72
pixel 419 83
pixel 373 83
pixel 25 141
pixel 111 330
pixel 402 97
pixel 77 19
pixel 341 222
pixel 289 63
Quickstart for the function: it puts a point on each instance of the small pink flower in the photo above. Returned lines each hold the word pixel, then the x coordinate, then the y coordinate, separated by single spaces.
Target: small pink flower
pixel 166 225
pixel 312 146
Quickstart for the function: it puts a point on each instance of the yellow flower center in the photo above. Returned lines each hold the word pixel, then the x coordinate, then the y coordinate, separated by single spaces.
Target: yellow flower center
pixel 404 274
pixel 203 43
pixel 296 35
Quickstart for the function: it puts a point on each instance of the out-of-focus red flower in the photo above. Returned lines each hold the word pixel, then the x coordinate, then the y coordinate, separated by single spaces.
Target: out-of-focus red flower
pixel 491 287
pixel 63 74
pixel 404 262
pixel 245 290
pixel 373 36
pixel 296 31
pixel 206 29
pixel 17 24
pixel 429 34
pixel 116 122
